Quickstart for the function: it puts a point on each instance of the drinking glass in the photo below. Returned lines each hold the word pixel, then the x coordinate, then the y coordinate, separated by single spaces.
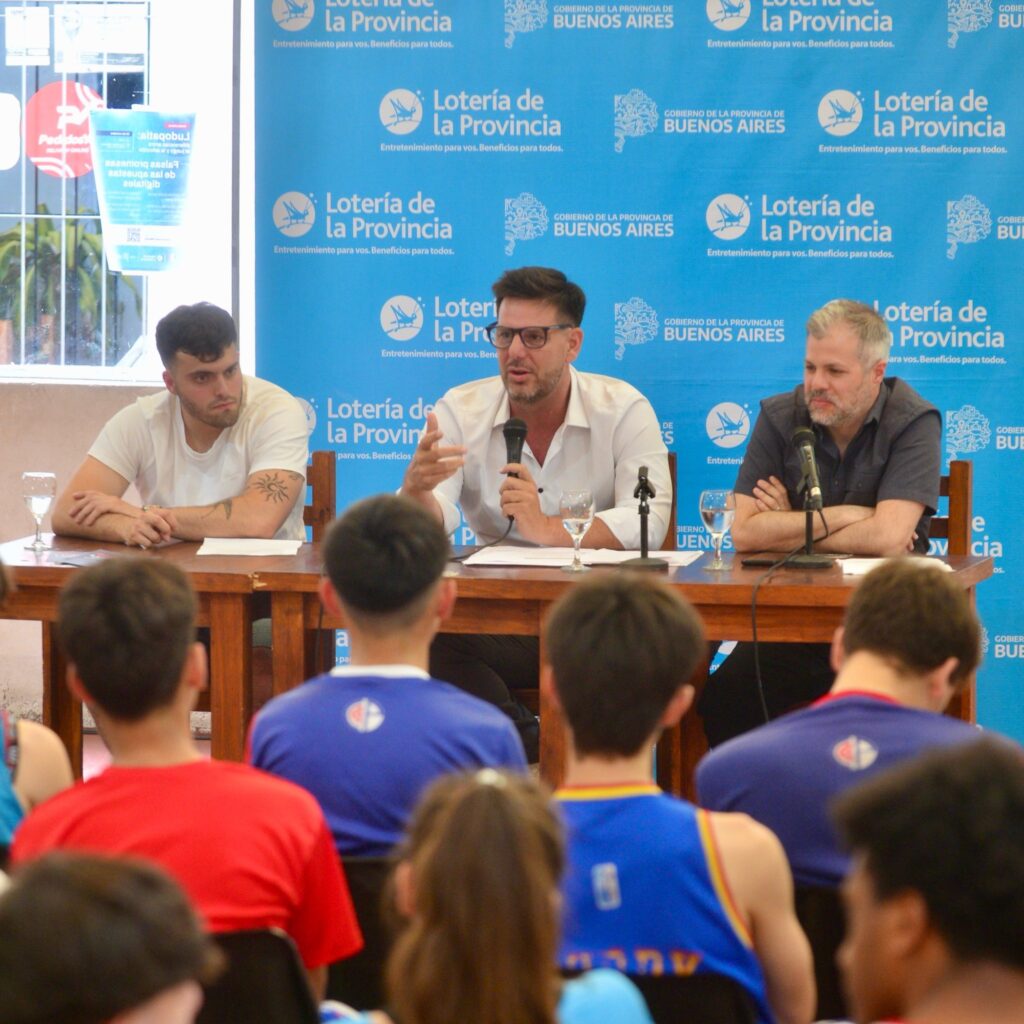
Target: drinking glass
pixel 38 490
pixel 577 511
pixel 717 509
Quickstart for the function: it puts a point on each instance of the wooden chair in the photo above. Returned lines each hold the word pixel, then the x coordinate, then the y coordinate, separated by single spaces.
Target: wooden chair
pixel 820 913
pixel 264 982
pixel 958 490
pixel 321 480
pixel 359 980
pixel 318 515
pixel 669 543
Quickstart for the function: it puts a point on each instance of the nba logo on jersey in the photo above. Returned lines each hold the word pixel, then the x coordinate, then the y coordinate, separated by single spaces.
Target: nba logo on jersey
pixel 854 753
pixel 364 715
pixel 605 879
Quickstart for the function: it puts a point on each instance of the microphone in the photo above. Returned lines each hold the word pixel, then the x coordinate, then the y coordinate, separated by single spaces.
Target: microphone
pixel 515 436
pixel 803 440
pixel 643 485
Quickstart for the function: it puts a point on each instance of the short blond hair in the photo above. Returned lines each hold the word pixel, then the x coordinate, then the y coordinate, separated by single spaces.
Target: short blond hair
pixel 872 331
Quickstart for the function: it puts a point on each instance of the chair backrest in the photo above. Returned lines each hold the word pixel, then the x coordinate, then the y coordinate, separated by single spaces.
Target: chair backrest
pixel 264 982
pixel 958 488
pixel 359 980
pixel 321 480
pixel 669 543
pixel 820 912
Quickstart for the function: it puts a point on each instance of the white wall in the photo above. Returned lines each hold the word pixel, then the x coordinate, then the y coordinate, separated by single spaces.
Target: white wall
pixel 43 427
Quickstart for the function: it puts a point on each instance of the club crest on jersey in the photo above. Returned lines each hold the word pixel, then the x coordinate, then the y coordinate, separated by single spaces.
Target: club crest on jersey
pixel 364 715
pixel 855 753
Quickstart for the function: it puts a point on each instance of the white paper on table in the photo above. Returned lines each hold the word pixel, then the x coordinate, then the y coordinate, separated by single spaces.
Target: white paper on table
pixel 861 566
pixel 248 546
pixel 510 554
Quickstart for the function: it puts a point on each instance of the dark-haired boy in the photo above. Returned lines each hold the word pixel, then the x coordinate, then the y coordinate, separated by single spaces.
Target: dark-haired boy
pixel 251 851
pixel 217 454
pixel 367 738
pixel 935 900
pixel 909 641
pixel 655 885
pixel 90 939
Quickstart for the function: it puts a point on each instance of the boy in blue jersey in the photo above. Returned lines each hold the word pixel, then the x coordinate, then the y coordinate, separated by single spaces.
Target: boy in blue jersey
pixel 367 738
pixel 655 885
pixel 910 640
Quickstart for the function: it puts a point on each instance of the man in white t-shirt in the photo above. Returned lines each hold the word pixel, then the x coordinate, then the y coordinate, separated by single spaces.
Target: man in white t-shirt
pixel 218 454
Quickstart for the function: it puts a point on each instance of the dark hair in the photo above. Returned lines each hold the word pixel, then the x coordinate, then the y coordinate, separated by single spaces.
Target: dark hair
pixel 914 615
pixel 126 626
pixel 202 330
pixel 486 855
pixel 545 284
pixel 85 938
pixel 383 556
pixel 620 646
pixel 949 825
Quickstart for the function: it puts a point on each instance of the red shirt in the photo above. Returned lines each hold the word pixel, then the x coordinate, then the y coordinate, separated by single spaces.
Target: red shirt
pixel 250 850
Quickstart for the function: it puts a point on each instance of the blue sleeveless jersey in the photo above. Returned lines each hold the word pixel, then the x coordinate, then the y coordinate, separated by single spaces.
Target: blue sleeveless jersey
pixel 645 893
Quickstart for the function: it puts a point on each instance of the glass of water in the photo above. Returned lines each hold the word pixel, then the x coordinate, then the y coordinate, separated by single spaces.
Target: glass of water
pixel 717 509
pixel 577 511
pixel 38 490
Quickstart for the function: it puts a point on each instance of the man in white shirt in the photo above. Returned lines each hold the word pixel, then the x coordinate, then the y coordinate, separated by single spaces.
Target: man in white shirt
pixel 217 454
pixel 583 431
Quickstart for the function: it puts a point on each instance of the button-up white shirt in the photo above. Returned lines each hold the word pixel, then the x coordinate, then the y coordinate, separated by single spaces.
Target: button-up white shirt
pixel 610 431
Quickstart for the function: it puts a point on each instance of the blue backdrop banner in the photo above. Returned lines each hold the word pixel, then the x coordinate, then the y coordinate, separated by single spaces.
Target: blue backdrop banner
pixel 710 173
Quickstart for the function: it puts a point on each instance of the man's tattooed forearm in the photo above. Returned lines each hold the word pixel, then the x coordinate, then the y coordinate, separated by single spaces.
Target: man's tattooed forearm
pixel 225 504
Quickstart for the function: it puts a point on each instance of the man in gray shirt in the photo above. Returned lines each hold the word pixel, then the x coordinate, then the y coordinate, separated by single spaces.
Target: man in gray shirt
pixel 878 450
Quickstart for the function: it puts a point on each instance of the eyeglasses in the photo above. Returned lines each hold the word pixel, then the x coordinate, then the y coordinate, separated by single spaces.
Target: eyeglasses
pixel 532 337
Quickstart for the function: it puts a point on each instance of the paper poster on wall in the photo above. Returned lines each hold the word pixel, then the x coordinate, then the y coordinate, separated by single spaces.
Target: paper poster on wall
pixel 142 160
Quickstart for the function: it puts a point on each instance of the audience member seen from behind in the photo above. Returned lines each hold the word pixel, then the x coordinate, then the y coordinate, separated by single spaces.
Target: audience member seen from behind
pixel 368 738
pixel 655 885
pixel 33 762
pixel 935 900
pixel 250 850
pixel 910 640
pixel 477 884
pixel 96 940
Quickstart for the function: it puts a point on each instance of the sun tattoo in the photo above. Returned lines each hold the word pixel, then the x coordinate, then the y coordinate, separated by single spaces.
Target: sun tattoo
pixel 273 487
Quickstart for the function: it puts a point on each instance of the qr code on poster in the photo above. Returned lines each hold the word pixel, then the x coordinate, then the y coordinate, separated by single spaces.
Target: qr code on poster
pixel 134 235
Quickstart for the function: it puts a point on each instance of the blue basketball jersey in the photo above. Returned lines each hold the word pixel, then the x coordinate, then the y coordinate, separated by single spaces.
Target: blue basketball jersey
pixel 645 892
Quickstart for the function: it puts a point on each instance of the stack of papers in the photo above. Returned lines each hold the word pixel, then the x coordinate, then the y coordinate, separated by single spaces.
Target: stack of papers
pixel 861 566
pixel 248 546
pixel 509 554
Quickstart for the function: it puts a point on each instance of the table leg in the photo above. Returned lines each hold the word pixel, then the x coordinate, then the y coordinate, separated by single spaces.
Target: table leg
pixel 230 674
pixel 61 711
pixel 288 641
pixel 552 733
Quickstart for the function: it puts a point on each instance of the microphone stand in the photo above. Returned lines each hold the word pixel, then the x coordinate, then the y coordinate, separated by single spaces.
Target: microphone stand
pixel 644 491
pixel 809 559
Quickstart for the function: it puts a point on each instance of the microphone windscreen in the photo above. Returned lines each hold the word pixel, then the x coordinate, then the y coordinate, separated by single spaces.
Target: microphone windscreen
pixel 515 437
pixel 803 435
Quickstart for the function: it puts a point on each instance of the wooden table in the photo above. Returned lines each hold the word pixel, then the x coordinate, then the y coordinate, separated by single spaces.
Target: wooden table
pixel 793 605
pixel 224 586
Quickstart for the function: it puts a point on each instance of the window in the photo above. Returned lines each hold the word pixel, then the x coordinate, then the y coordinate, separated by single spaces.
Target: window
pixel 64 313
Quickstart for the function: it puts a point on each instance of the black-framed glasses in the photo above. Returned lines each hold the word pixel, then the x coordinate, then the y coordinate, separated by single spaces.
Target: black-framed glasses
pixel 501 336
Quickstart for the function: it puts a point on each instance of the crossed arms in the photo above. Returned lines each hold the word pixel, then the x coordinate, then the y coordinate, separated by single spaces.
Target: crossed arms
pixel 92 506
